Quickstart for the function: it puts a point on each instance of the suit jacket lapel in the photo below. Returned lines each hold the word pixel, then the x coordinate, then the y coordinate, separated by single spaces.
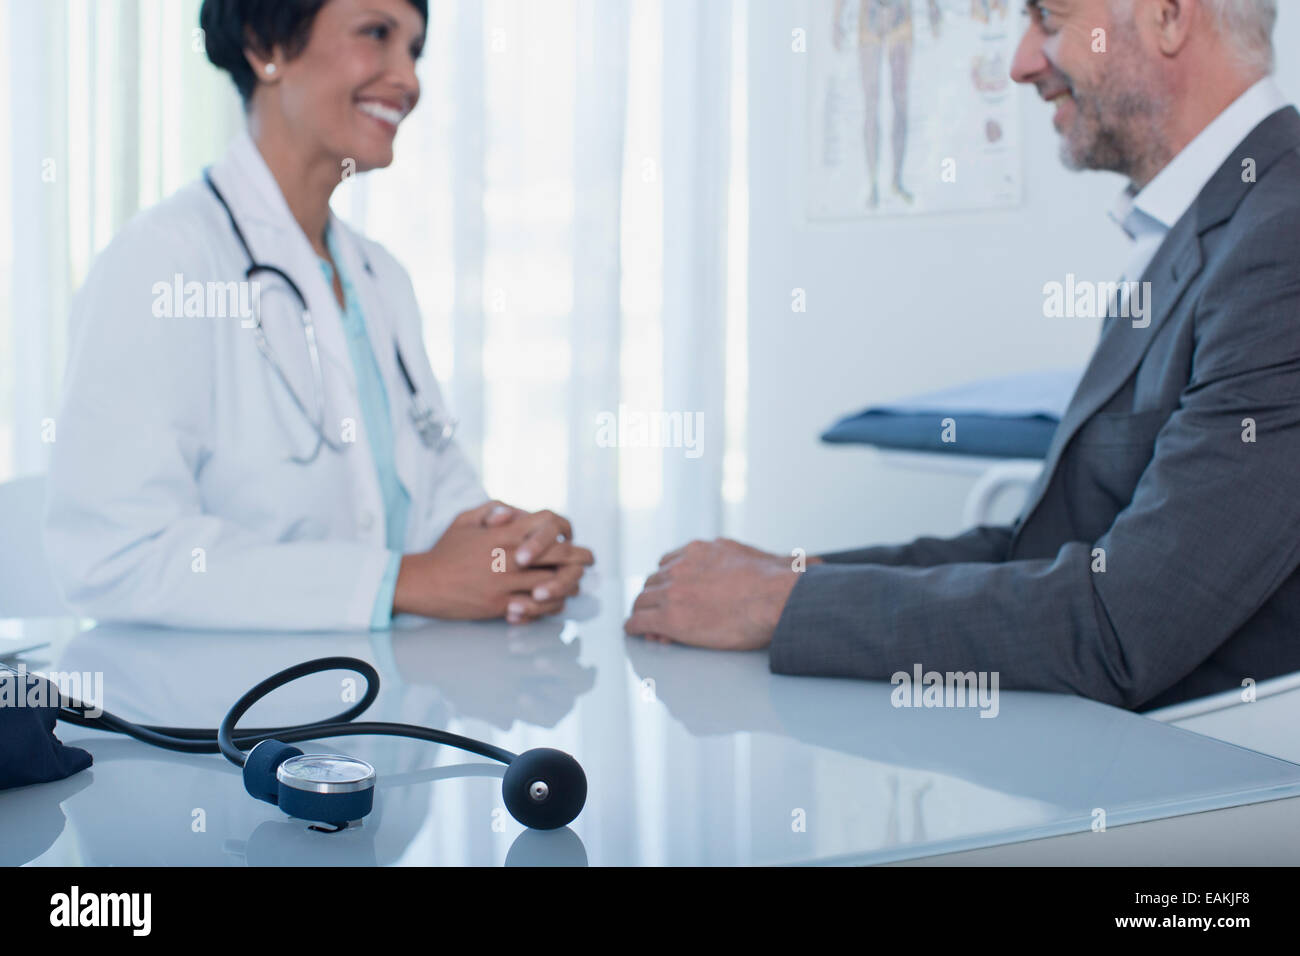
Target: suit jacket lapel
pixel 1123 343
pixel 1176 264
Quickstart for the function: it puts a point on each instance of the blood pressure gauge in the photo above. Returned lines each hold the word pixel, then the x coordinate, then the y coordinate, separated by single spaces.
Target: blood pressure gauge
pixel 326 773
pixel 330 788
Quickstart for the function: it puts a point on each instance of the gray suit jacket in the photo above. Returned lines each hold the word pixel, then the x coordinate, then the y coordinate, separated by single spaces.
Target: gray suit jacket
pixel 1200 529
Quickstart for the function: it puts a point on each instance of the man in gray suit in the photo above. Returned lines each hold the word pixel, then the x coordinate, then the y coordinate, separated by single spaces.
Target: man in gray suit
pixel 1156 559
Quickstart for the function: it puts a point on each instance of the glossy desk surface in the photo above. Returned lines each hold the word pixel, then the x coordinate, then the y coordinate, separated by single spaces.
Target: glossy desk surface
pixel 692 757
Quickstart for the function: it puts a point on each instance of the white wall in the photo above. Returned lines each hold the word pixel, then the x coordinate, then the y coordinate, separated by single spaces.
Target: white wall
pixel 896 306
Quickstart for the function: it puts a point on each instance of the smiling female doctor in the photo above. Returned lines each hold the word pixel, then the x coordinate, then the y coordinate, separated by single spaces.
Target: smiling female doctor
pixel 293 473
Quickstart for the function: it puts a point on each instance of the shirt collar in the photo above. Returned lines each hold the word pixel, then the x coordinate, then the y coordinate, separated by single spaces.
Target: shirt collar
pixel 1134 221
pixel 1162 202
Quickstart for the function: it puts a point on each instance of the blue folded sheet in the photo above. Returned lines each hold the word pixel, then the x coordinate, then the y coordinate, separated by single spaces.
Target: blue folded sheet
pixel 1010 417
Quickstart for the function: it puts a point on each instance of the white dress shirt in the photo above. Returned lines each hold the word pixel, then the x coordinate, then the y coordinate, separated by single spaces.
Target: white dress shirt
pixel 1148 215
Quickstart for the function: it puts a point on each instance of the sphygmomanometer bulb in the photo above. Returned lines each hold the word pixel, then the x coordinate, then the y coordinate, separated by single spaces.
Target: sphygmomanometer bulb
pixel 544 789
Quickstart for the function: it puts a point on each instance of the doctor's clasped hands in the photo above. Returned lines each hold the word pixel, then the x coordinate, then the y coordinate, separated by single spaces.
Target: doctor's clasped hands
pixel 494 561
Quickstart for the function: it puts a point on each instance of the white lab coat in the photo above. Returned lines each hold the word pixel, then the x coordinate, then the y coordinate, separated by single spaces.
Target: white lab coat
pixel 171 499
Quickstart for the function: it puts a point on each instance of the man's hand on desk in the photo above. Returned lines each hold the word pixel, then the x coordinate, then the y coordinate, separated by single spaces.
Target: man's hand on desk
pixel 719 594
pixel 494 561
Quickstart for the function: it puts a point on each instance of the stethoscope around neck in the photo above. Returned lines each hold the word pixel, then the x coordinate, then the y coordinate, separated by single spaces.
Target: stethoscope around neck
pixel 436 432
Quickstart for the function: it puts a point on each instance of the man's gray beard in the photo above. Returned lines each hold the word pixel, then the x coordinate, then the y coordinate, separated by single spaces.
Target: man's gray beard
pixel 1131 142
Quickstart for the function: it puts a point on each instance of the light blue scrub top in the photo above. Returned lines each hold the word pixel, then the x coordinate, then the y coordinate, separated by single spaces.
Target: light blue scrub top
pixel 379 427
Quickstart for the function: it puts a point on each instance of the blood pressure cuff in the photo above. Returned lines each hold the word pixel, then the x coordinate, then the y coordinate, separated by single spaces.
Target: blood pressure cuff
pixel 29 751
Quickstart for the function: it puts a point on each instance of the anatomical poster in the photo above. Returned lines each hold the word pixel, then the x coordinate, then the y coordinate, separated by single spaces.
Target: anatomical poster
pixel 911 106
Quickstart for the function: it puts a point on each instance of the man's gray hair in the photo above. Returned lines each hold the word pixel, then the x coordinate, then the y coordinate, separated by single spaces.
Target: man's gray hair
pixel 1247 25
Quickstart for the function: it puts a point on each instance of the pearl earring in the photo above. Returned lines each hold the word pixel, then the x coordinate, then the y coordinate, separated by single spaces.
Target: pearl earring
pixel 270 69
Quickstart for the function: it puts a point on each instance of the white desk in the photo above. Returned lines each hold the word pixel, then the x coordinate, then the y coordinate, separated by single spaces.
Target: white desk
pixel 692 757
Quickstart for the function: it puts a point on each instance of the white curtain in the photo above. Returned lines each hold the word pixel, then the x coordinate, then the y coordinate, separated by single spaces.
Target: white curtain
pixel 561 204
pixel 106 106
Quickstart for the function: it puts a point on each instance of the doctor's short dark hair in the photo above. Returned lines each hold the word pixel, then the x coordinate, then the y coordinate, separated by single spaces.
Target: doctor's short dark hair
pixel 232 26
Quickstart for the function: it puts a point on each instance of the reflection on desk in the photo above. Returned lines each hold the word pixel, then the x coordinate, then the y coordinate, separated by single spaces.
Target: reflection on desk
pixel 692 757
